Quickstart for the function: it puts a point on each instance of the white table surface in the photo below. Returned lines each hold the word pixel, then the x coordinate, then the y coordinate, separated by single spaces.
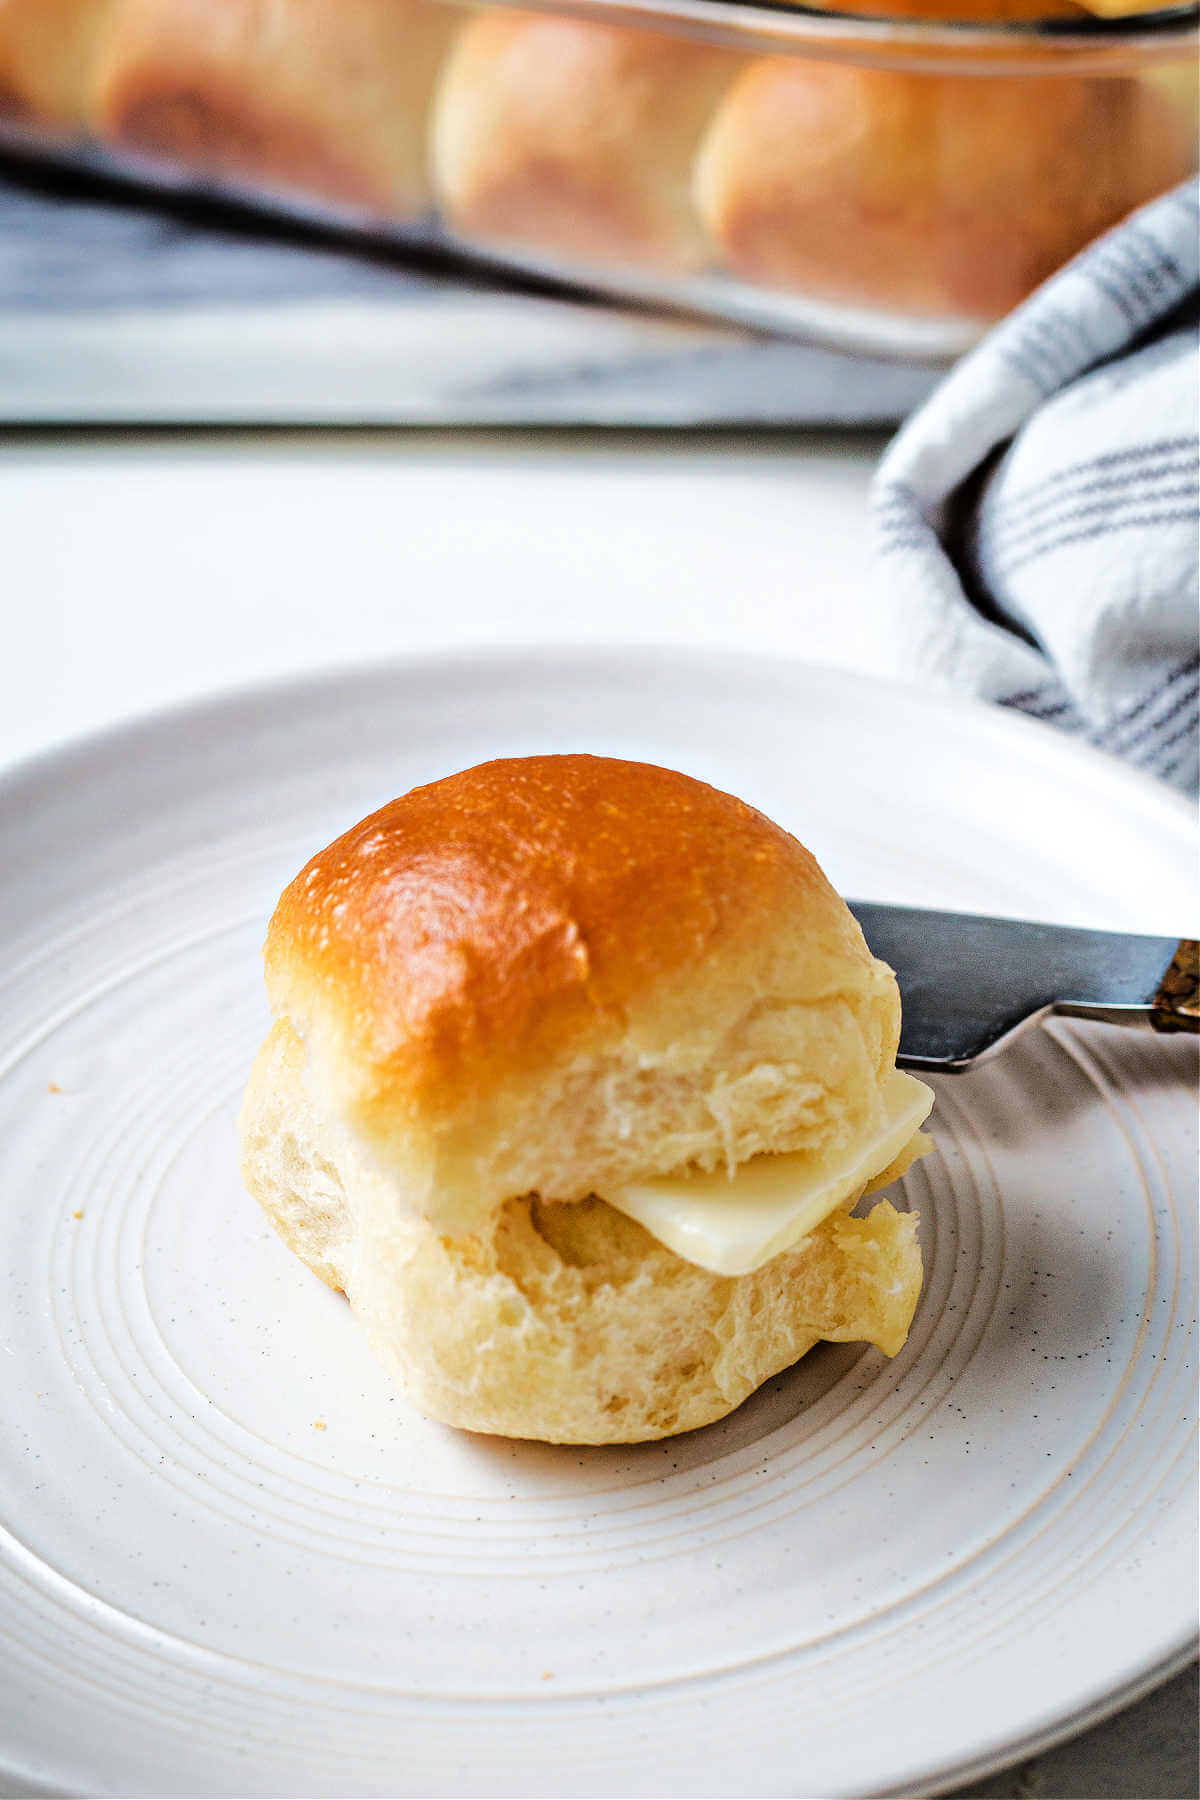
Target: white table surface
pixel 140 569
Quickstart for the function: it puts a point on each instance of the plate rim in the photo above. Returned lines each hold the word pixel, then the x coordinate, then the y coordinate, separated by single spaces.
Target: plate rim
pixel 1035 1743
pixel 540 656
pixel 34 1786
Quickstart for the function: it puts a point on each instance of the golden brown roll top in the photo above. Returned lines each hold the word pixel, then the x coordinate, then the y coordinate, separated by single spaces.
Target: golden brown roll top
pixel 306 96
pixel 558 973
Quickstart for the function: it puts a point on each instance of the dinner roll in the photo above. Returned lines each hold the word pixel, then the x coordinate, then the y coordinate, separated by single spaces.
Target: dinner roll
pixel 510 994
pixel 320 99
pixel 562 1322
pixel 552 974
pixel 571 137
pixel 931 194
pixel 48 51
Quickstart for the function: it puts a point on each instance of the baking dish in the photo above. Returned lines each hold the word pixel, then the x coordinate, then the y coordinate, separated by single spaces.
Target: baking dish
pixel 890 183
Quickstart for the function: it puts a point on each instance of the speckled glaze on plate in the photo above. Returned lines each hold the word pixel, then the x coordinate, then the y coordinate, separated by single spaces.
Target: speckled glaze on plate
pixel 232 1561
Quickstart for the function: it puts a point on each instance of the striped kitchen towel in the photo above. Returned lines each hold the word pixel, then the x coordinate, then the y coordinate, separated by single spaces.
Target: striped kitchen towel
pixel 1036 521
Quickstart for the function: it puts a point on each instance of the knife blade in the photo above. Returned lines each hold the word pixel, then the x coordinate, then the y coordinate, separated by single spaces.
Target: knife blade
pixel 970 984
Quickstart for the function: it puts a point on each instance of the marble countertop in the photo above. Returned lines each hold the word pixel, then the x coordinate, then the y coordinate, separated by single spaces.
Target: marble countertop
pixel 118 306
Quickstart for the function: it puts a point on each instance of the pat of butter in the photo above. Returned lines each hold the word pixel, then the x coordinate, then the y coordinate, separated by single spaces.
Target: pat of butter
pixel 733 1224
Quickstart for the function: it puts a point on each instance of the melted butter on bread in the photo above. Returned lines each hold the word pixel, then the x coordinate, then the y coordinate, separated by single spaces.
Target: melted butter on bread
pixel 733 1224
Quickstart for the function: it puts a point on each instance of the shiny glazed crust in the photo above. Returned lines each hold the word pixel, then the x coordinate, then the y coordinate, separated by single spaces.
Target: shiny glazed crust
pixel 552 973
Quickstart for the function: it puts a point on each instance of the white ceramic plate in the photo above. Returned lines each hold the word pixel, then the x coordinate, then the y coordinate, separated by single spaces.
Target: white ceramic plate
pixel 233 1562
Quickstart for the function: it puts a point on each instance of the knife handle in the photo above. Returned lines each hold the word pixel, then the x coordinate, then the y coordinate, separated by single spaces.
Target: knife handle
pixel 1176 1005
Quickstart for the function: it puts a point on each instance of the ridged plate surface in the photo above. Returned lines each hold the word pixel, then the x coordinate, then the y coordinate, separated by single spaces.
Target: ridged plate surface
pixel 232 1561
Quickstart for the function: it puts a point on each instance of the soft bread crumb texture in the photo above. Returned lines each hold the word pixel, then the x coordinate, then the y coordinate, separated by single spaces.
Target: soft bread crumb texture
pixel 555 974
pixel 564 1322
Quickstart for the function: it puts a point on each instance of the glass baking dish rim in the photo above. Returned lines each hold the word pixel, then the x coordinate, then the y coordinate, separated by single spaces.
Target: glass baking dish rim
pixel 1168 31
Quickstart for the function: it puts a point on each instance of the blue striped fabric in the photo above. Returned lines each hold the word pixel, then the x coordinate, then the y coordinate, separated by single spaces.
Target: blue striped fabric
pixel 1037 522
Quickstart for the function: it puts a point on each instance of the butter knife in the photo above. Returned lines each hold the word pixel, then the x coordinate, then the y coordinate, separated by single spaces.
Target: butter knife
pixel 969 985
